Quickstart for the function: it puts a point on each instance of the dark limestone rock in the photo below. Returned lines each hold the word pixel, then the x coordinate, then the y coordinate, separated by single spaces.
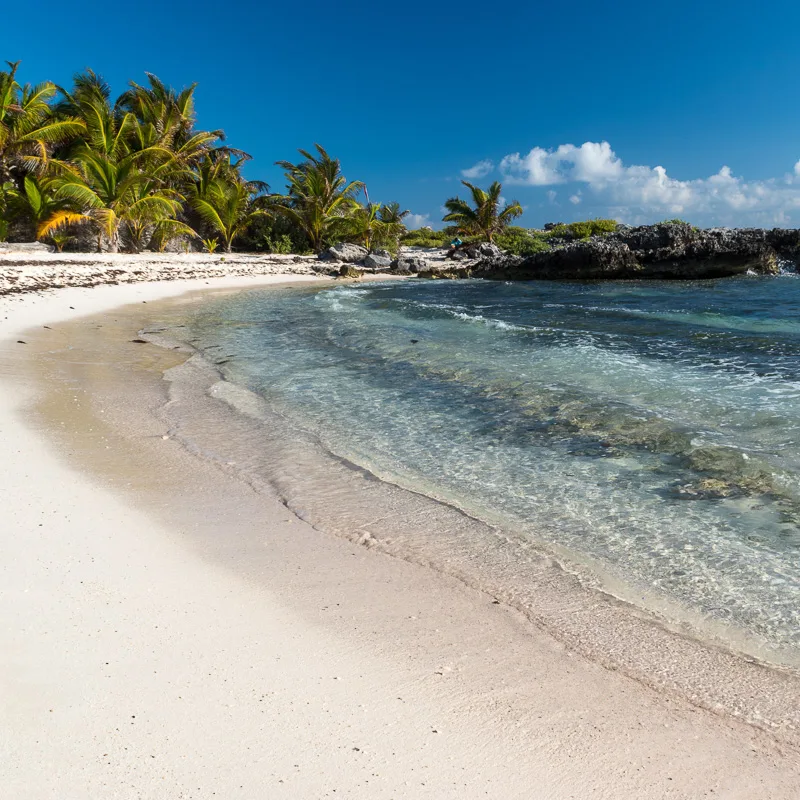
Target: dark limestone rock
pixel 406 264
pixel 665 250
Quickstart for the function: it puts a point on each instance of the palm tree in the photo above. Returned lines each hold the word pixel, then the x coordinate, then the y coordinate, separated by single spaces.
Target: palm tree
pixel 36 202
pixel 318 196
pixel 391 213
pixel 7 194
pixel 373 225
pixel 485 219
pixel 108 184
pixel 224 200
pixel 167 119
pixel 28 127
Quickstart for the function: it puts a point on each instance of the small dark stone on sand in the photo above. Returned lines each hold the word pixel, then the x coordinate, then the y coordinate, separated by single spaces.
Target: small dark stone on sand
pixel 139 341
pixel 19 341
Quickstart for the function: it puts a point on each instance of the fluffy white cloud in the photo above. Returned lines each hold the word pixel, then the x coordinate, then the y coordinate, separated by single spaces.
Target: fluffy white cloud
pixel 478 170
pixel 635 190
pixel 535 169
pixel 413 221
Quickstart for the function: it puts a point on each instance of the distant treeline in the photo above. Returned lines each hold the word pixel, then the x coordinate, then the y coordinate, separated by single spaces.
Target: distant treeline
pixel 80 170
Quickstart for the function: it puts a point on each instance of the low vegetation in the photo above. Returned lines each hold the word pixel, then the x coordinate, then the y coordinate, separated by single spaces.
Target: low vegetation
pixel 583 230
pixel 523 241
pixel 427 237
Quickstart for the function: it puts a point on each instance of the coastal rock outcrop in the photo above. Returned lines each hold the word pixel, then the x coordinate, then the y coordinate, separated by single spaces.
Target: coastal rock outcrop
pixel 346 252
pixel 665 250
pixel 406 264
pixel 377 261
pixel 483 250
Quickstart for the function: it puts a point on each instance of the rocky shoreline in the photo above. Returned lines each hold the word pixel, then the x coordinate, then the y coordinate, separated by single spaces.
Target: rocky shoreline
pixel 674 250
pixel 665 251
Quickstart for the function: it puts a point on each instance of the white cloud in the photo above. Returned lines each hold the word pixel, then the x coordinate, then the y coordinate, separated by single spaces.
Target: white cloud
pixel 413 221
pixel 535 167
pixel 551 197
pixel 478 170
pixel 636 190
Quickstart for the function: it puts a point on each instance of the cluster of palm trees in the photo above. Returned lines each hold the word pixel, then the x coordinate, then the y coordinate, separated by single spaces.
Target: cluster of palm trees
pixel 137 173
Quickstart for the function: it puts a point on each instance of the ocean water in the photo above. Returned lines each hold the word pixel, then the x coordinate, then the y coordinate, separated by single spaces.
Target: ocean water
pixel 647 431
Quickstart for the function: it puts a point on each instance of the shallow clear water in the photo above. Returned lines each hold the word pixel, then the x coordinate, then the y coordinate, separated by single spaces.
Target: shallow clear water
pixel 652 429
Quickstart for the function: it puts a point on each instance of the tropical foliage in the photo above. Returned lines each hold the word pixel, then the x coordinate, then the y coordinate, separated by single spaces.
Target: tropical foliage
pixel 484 218
pixel 319 199
pixel 80 168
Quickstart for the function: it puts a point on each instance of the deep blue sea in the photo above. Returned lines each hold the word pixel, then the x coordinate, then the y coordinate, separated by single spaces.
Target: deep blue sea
pixel 650 429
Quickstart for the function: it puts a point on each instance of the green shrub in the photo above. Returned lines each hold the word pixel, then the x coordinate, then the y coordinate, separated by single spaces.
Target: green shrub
pixel 281 244
pixel 585 229
pixel 522 241
pixel 425 237
pixel 273 235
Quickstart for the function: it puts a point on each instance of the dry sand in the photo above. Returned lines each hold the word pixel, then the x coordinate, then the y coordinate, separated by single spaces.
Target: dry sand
pixel 168 633
pixel 33 267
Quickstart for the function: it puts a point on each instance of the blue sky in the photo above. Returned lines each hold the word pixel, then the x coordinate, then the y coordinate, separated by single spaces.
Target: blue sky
pixel 637 110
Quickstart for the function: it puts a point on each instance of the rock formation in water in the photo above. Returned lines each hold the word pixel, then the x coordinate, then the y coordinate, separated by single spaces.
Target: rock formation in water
pixel 665 250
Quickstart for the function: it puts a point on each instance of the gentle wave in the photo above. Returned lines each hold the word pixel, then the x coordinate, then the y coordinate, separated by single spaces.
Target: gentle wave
pixel 667 455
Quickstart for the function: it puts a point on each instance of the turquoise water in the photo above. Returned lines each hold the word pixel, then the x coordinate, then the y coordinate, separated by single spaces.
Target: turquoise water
pixel 649 429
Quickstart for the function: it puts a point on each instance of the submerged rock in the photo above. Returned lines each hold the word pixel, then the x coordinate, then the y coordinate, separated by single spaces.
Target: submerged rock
pixel 706 489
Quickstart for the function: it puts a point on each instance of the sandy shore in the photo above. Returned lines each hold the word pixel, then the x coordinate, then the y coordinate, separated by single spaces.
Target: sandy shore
pixel 167 632
pixel 26 268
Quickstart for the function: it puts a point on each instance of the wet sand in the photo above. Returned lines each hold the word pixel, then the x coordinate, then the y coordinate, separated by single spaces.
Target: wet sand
pixel 170 632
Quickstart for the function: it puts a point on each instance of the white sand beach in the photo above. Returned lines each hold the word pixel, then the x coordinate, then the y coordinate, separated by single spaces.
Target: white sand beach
pixel 169 633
